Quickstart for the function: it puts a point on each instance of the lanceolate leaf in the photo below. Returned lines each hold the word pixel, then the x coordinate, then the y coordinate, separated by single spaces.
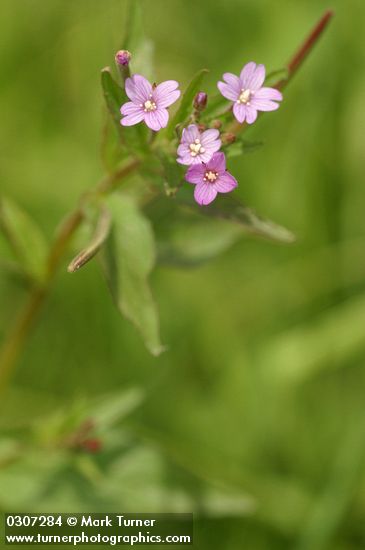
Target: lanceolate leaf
pixel 242 147
pixel 128 259
pixel 230 208
pixel 186 103
pixel 100 234
pixel 25 238
pixel 114 96
pixel 192 242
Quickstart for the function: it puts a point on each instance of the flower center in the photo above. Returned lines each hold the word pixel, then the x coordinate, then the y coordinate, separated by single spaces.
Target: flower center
pixel 196 148
pixel 210 176
pixel 149 106
pixel 245 96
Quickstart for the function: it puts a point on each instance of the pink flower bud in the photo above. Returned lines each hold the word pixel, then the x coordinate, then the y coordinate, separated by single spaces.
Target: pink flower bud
pixel 123 57
pixel 200 101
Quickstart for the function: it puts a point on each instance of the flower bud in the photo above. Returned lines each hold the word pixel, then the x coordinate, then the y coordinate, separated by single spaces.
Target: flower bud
pixel 200 101
pixel 123 57
pixel 228 138
pixel 216 124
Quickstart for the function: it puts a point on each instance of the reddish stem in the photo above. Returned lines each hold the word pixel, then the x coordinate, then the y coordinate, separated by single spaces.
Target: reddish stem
pixel 298 58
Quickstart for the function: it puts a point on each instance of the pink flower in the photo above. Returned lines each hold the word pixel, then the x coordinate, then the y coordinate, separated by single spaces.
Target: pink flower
pixel 210 179
pixel 248 94
pixel 196 147
pixel 148 102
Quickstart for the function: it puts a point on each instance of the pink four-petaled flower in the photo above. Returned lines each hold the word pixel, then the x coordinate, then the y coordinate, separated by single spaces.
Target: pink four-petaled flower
pixel 196 146
pixel 210 179
pixel 247 93
pixel 148 102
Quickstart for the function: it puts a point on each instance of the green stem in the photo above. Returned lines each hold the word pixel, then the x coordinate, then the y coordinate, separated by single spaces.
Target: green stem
pixel 18 334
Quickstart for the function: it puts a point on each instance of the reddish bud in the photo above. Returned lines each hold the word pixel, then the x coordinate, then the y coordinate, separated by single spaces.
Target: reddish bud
pixel 200 101
pixel 228 138
pixel 216 124
pixel 91 445
pixel 123 57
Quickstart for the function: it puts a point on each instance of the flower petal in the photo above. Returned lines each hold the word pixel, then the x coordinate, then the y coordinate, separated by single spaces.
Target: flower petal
pixel 264 104
pixel 183 149
pixel 166 93
pixel 225 183
pixel 257 79
pixel 137 88
pixel 190 134
pixel 217 162
pixel 187 160
pixel 233 82
pixel 133 114
pixel 195 174
pixel 239 111
pixel 251 114
pixel 205 193
pixel 209 136
pixel 227 91
pixel 157 119
pixel 268 93
pixel 247 73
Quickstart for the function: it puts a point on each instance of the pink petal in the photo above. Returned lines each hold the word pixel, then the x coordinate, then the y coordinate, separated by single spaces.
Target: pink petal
pixel 217 162
pixel 183 149
pixel 133 114
pixel 233 82
pixel 130 108
pixel 169 99
pixel 190 134
pixel 157 119
pixel 225 183
pixel 268 93
pixel 239 111
pixel 247 73
pixel 205 193
pixel 264 104
pixel 166 93
pixel 209 136
pixel 251 114
pixel 142 88
pixel 257 79
pixel 227 91
pixel 187 160
pixel 195 174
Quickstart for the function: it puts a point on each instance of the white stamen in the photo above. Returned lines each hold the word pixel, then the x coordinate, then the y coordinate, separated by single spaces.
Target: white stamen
pixel 210 176
pixel 245 96
pixel 149 106
pixel 196 148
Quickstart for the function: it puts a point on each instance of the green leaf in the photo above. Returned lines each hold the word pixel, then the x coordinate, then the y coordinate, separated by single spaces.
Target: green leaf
pixel 216 106
pixel 242 147
pixel 114 96
pixel 230 208
pixel 276 76
pixel 186 104
pixel 128 259
pixel 101 232
pixel 192 242
pixel 25 238
pixel 133 138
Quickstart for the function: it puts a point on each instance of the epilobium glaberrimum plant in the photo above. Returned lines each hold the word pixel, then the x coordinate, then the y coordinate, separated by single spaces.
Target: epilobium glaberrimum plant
pixel 168 187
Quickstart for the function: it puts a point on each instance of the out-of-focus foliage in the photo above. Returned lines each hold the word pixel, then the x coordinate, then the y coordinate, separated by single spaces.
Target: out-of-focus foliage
pixel 257 408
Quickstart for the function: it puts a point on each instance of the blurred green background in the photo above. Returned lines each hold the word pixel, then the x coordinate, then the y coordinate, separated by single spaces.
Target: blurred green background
pixel 254 418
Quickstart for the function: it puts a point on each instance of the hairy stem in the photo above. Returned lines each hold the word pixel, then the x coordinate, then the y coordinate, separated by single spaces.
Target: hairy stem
pixel 295 62
pixel 17 336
